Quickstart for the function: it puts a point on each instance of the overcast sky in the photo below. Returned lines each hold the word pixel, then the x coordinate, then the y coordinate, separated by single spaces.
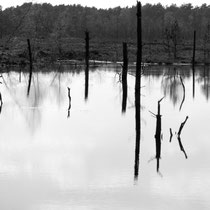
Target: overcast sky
pixel 101 3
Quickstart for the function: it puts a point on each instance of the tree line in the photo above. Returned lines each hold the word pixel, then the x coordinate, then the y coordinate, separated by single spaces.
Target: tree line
pixel 159 22
pixel 58 31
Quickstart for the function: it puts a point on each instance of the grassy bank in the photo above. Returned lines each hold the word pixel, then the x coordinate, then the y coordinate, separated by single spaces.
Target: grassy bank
pixel 14 51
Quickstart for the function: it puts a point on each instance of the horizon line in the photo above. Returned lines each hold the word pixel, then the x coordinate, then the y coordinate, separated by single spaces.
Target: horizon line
pixel 105 8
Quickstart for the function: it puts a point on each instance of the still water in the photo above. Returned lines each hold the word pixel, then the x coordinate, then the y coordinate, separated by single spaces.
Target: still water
pixel 52 158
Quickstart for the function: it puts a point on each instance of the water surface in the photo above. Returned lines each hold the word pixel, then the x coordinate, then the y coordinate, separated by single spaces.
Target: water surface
pixel 53 159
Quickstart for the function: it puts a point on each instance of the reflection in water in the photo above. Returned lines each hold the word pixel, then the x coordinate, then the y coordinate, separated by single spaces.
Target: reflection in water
pixel 20 75
pixel 171 135
pixel 124 96
pixel 56 83
pixel 29 82
pixel 181 146
pixel 69 96
pixel 193 78
pixel 137 118
pixel 179 138
pixel 206 82
pixel 85 162
pixel 183 99
pixel 171 87
pixel 158 135
pixel 31 114
pixel 1 102
pixel 86 81
pixel 138 131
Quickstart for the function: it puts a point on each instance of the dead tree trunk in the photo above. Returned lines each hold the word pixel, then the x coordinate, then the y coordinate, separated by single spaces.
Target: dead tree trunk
pixel 87 64
pixel 31 66
pixel 138 90
pixel 124 77
pixel 87 48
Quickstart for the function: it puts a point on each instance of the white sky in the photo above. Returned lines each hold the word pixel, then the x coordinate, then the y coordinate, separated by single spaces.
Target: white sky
pixel 101 3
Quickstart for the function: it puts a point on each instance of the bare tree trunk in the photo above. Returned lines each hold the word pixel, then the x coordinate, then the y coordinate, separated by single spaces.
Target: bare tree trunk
pixel 124 77
pixel 137 90
pixel 31 66
pixel 87 64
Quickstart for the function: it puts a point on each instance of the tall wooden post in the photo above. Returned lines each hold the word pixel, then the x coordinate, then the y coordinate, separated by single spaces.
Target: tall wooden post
pixel 31 66
pixel 87 64
pixel 124 77
pixel 87 48
pixel 138 90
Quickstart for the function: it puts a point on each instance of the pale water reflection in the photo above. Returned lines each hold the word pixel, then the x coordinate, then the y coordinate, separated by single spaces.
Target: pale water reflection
pixel 49 161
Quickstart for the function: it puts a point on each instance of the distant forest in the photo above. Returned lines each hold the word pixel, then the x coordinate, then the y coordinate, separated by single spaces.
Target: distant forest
pixel 171 25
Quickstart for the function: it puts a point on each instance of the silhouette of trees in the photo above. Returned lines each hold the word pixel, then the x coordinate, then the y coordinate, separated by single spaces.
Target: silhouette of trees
pixel 170 23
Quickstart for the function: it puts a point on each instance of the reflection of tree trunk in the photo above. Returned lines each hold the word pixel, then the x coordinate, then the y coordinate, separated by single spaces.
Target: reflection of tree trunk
pixel 181 126
pixel 124 77
pixel 179 138
pixel 138 132
pixel 183 94
pixel 181 146
pixel 69 96
pixel 158 135
pixel 138 90
pixel 20 75
pixel 86 82
pixel 59 89
pixel 193 77
pixel 1 103
pixel 171 135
